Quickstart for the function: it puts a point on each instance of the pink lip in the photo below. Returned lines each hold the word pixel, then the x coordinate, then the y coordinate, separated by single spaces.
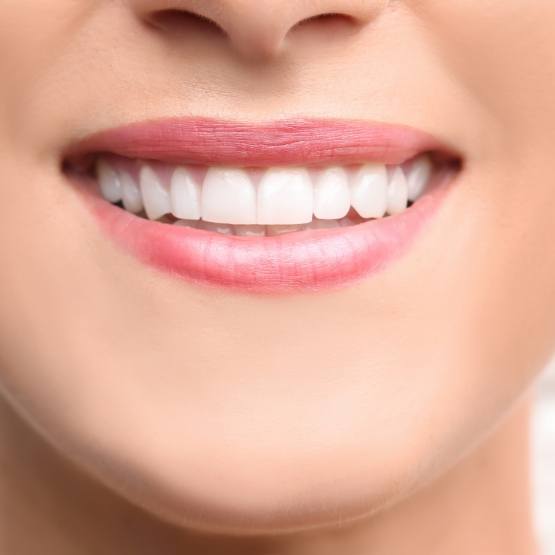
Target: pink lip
pixel 212 142
pixel 300 261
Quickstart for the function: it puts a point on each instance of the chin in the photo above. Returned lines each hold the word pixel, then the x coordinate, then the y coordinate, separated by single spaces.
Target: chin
pixel 258 492
pixel 237 475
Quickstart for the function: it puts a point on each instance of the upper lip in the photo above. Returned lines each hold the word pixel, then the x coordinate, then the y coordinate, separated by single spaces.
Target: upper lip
pixel 293 141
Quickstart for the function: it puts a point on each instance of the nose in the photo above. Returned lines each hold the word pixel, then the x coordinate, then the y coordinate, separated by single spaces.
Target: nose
pixel 258 28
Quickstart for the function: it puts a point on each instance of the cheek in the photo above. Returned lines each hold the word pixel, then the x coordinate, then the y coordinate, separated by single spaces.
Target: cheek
pixel 494 281
pixel 504 54
pixel 499 271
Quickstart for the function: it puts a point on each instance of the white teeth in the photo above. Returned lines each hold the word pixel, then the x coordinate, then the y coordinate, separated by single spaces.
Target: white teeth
pixel 250 230
pixel 332 199
pixel 397 192
pixel 369 191
pixel 257 202
pixel 261 230
pixel 109 181
pixel 185 194
pixel 219 228
pixel 272 230
pixel 228 196
pixel 130 194
pixel 186 223
pixel 285 197
pixel 418 177
pixel 155 197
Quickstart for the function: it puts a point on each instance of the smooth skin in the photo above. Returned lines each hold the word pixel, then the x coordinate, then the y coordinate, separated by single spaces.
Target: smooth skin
pixel 144 414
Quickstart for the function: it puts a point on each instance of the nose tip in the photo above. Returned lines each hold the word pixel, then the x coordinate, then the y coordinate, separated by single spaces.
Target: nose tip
pixel 258 33
pixel 258 29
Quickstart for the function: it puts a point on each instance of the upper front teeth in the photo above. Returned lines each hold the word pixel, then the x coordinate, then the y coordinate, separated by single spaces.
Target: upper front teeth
pixel 332 198
pixel 156 197
pixel 277 196
pixel 185 193
pixel 369 191
pixel 228 196
pixel 285 197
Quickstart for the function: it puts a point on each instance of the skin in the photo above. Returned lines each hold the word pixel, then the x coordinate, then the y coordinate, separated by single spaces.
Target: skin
pixel 143 414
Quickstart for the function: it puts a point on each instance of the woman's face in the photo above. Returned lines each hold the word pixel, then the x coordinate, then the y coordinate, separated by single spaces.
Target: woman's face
pixel 229 409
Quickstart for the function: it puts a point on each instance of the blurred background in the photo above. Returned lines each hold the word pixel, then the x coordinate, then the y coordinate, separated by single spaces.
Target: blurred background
pixel 543 441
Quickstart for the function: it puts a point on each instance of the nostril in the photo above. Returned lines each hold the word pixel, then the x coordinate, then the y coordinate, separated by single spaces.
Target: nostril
pixel 327 19
pixel 256 33
pixel 180 20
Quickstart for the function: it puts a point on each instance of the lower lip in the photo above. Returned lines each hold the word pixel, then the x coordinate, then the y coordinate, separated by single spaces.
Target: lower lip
pixel 310 260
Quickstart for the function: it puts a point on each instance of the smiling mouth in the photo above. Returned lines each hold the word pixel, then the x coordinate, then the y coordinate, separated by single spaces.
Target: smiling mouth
pixel 262 201
pixel 288 206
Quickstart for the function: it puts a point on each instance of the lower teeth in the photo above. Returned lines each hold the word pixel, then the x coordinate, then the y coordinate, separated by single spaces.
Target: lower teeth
pixel 263 230
pixel 351 219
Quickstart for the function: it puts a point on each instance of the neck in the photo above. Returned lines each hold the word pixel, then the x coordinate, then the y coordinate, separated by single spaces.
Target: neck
pixel 480 506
